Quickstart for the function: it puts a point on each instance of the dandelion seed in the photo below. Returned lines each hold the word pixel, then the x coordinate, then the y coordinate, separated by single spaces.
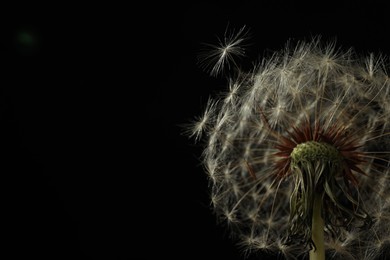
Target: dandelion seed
pixel 199 125
pixel 215 58
pixel 299 150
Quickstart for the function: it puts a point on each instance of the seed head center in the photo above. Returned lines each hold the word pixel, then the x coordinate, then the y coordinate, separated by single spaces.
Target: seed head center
pixel 313 151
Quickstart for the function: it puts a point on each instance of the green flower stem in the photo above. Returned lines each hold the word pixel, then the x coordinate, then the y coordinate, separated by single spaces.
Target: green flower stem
pixel 317 253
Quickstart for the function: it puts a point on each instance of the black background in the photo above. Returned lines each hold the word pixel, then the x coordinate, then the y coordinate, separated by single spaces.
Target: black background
pixel 95 164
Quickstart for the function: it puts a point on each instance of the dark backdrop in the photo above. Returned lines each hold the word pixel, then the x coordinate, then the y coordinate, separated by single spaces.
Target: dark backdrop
pixel 95 164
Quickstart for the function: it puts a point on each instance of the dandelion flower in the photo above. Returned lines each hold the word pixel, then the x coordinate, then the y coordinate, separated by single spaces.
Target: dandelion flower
pixel 297 152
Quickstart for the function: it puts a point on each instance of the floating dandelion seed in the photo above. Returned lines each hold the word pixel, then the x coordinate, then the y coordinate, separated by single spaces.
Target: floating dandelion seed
pixel 298 152
pixel 215 58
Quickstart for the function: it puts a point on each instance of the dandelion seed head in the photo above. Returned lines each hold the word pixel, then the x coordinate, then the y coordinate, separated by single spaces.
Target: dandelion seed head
pixel 311 107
